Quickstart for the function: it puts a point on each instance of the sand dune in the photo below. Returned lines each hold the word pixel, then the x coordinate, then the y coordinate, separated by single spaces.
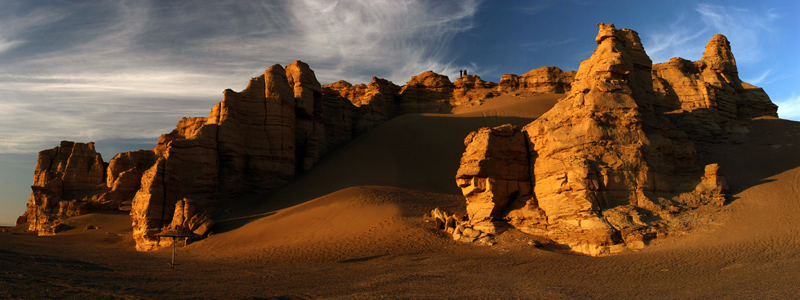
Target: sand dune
pixel 379 178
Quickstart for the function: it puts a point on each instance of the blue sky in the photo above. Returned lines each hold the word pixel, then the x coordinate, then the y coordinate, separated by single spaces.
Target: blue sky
pixel 120 73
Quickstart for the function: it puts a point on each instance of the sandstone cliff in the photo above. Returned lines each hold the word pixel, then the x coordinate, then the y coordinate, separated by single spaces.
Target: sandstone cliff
pixel 541 80
pixel 610 166
pixel 601 171
pixel 69 180
pixel 706 98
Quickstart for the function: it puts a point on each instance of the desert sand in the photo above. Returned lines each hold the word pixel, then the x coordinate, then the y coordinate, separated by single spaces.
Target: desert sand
pixel 353 228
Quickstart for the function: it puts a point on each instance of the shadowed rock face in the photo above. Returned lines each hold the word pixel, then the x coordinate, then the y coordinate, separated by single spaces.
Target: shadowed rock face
pixel 706 98
pixel 607 170
pixel 261 138
pixel 374 103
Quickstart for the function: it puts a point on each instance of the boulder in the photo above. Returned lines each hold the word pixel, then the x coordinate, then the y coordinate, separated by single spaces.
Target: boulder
pixel 494 172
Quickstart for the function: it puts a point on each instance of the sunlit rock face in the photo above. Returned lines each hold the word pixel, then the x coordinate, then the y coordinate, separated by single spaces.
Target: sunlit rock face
pixel 255 140
pixel 427 92
pixel 706 98
pixel 541 80
pixel 610 166
pixel 69 180
pixel 605 168
pixel 261 138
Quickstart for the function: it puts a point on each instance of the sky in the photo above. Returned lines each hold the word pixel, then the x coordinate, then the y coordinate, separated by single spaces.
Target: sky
pixel 120 73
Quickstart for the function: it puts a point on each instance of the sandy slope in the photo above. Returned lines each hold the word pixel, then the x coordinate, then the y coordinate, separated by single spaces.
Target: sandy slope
pixel 352 228
pixel 347 202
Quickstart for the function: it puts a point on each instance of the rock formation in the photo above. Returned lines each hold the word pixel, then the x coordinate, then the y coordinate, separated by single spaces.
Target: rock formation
pixel 605 168
pixel 259 139
pixel 458 227
pixel 706 98
pixel 69 180
pixel 427 92
pixel 375 103
pixel 494 172
pixel 471 90
pixel 541 80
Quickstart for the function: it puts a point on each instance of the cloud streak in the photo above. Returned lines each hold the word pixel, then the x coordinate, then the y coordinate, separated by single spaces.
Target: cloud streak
pixel 103 70
pixel 687 36
pixel 790 108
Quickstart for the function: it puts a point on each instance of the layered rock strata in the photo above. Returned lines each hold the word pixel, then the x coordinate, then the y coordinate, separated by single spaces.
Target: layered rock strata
pixel 375 103
pixel 605 169
pixel 258 139
pixel 541 80
pixel 69 180
pixel 600 172
pixel 427 92
pixel 706 98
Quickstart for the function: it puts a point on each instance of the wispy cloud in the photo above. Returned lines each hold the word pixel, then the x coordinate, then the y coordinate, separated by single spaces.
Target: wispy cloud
pixel 744 28
pixel 532 8
pixel 104 70
pixel 539 45
pixel 687 36
pixel 790 108
pixel 675 40
pixel 760 79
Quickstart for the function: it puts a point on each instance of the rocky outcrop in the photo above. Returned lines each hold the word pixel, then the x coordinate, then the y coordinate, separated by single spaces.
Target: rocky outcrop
pixel 541 80
pixel 427 92
pixel 187 218
pixel 124 173
pixel 458 227
pixel 604 170
pixel 493 173
pixel 471 90
pixel 607 170
pixel 258 139
pixel 69 180
pixel 706 98
pixel 375 103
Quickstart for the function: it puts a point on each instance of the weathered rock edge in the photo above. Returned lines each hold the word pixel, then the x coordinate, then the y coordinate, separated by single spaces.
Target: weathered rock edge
pixel 258 139
pixel 607 168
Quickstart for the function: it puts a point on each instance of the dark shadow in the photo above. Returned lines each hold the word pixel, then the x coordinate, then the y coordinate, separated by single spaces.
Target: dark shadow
pixel 51 262
pixel 362 259
pixel 768 149
pixel 236 222
pixel 419 152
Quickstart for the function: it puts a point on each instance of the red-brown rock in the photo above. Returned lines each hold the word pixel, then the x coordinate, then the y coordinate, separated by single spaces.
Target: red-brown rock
pixel 68 181
pixel 541 80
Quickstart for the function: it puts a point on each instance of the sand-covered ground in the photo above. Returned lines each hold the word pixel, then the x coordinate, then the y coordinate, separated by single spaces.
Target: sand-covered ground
pixel 352 228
